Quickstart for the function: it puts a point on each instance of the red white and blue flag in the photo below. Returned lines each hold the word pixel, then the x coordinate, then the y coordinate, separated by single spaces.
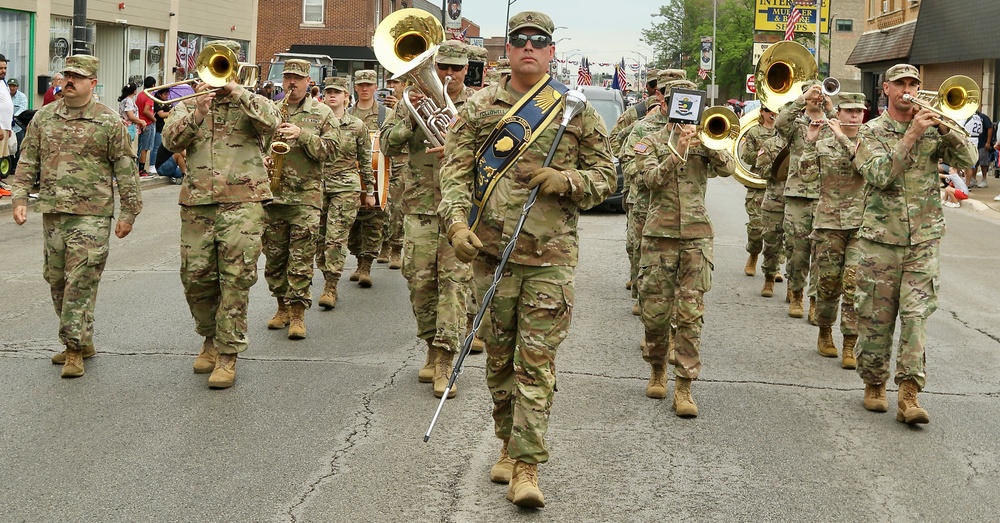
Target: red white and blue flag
pixel 620 81
pixel 795 16
pixel 583 76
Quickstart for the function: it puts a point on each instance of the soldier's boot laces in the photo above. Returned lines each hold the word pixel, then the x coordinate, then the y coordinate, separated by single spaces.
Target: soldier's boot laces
pixel 657 386
pixel 426 374
pixel 907 409
pixel 224 374
pixel 329 298
pixel 684 405
pixel 297 324
pixel 280 319
pixel 442 373
pixel 73 366
pixel 824 343
pixel 523 489
pixel 768 289
pixel 502 470
pixel 795 306
pixel 205 361
pixel 751 268
pixel 60 358
pixel 875 397
pixel 383 253
pixel 812 311
pixel 636 310
pixel 788 293
pixel 365 273
pixel 848 361
pixel 395 259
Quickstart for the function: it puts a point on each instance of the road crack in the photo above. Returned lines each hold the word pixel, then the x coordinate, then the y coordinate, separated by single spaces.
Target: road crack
pixel 964 323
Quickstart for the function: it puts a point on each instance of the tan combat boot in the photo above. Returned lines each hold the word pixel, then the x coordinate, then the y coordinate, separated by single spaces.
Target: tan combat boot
pixel 280 319
pixel 907 409
pixel 442 373
pixel 636 311
pixel 849 361
pixel 824 343
pixel 523 490
pixel 224 374
pixel 384 253
pixel 395 260
pixel 768 289
pixel 329 298
pixel 875 397
pixel 205 361
pixel 73 366
pixel 478 345
pixel 795 305
pixel 788 294
pixel 297 323
pixel 60 357
pixel 684 405
pixel 365 272
pixel 501 471
pixel 426 374
pixel 357 272
pixel 778 277
pixel 751 268
pixel 812 311
pixel 671 353
pixel 628 285
pixel 657 386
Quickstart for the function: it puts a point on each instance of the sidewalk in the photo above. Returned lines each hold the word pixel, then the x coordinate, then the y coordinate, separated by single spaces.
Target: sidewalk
pixel 144 183
pixel 982 199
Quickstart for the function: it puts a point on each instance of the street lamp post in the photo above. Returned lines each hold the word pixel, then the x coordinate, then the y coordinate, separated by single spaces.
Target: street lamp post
pixel 505 22
pixel 642 68
pixel 829 47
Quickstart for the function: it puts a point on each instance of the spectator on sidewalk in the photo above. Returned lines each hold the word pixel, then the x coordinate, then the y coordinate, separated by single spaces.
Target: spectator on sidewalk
pixel 172 165
pixel 128 111
pixel 20 105
pixel 955 191
pixel 148 132
pixel 50 93
pixel 985 146
pixel 974 127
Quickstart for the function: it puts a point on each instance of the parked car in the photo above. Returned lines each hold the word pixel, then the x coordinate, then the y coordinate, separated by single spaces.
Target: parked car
pixel 610 104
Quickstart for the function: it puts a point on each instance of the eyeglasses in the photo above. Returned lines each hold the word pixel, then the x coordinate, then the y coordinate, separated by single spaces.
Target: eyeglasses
pixel 537 41
pixel 453 67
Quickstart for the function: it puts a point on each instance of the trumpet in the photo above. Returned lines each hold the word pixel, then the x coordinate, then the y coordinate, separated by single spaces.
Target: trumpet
pixel 831 86
pixel 956 99
pixel 216 65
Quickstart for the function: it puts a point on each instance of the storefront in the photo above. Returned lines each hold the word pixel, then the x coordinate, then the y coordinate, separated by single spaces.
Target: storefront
pixel 17 29
pixel 190 44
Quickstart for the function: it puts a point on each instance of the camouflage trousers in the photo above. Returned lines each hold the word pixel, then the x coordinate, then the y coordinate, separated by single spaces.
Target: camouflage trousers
pixel 365 239
pixel 676 274
pixel 439 283
pixel 635 226
pixel 393 233
pixel 755 221
pixel 773 240
pixel 76 250
pixel 836 264
pixel 530 315
pixel 798 247
pixel 335 221
pixel 220 245
pixel 290 233
pixel 895 280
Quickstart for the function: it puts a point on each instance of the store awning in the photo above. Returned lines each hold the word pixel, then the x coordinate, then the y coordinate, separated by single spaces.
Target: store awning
pixel 879 46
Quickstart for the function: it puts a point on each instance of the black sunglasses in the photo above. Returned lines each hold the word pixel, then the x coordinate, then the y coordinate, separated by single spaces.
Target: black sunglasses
pixel 537 41
pixel 453 67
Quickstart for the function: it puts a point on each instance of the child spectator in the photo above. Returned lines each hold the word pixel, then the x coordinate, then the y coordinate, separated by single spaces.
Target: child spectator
pixel 956 190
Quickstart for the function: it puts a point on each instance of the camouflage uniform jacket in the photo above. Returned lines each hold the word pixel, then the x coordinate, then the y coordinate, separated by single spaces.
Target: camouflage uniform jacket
pixel 399 162
pixel 317 142
pixel 368 116
pixel 792 123
pixel 78 153
pixel 903 205
pixel 422 189
pixel 224 153
pixel 637 192
pixel 549 236
pixel 841 195
pixel 677 190
pixel 774 192
pixel 755 139
pixel 623 126
pixel 352 163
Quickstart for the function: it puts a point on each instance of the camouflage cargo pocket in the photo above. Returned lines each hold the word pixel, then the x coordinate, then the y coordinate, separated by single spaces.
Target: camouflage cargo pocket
pixel 97 256
pixel 704 281
pixel 864 291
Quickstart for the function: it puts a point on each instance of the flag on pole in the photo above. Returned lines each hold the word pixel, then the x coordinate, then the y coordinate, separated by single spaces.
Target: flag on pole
pixel 583 77
pixel 620 81
pixel 793 18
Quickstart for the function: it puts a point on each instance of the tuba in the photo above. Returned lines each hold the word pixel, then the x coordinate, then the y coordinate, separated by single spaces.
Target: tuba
pixel 956 99
pixel 744 173
pixel 216 66
pixel 781 72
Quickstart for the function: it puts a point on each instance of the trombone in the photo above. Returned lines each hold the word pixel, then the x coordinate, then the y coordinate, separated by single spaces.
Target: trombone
pixel 956 99
pixel 216 65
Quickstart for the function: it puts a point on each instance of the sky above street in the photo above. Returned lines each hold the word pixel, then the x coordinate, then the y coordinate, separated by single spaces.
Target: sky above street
pixel 603 30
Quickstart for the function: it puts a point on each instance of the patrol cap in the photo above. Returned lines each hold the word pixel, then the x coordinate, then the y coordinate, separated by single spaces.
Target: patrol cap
pixel 534 19
pixel 680 84
pixel 808 84
pixel 82 64
pixel 365 76
pixel 902 71
pixel 503 65
pixel 296 67
pixel 492 76
pixel 13 81
pixel 666 76
pixel 452 52
pixel 233 45
pixel 336 82
pixel 851 101
pixel 651 75
pixel 478 54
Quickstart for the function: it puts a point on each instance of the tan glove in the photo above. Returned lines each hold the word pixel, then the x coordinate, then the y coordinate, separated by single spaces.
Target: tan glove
pixel 464 241
pixel 550 180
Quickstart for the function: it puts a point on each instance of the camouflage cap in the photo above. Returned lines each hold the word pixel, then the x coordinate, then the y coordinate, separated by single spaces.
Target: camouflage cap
pixel 851 101
pixel 534 19
pixel 296 67
pixel 503 65
pixel 492 77
pixel 231 44
pixel 666 76
pixel 478 54
pixel 651 76
pixel 82 64
pixel 902 71
pixel 336 82
pixel 678 84
pixel 452 52
pixel 810 83
pixel 365 76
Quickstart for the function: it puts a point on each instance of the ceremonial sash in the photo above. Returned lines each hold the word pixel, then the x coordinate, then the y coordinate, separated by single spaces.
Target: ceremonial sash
pixel 517 130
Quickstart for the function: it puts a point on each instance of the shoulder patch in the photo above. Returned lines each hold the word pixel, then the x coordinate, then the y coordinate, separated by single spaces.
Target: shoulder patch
pixel 641 148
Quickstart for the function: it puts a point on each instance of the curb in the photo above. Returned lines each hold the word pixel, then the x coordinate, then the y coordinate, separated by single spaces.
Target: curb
pixel 144 183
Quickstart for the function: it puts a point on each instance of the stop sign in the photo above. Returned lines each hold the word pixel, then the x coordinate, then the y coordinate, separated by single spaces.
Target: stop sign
pixel 751 84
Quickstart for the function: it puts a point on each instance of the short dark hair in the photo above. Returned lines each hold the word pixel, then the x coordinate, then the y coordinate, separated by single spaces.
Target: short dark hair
pixel 3 58
pixel 148 82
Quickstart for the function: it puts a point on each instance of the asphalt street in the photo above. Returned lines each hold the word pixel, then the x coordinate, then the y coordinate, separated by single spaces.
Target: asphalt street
pixel 330 428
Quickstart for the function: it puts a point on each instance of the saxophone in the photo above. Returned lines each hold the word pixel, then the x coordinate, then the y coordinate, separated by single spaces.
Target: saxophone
pixel 278 150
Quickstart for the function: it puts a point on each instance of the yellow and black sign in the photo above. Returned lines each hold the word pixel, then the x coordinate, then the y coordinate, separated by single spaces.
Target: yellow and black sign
pixel 772 15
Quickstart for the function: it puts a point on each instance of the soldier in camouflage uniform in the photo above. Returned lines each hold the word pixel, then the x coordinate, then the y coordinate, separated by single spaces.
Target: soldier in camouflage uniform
pixel 772 210
pixel 342 194
pixel 481 55
pixel 77 148
pixel 531 311
pixel 392 245
pixel 439 283
pixel 292 219
pixel 800 197
pixel 638 111
pixel 365 240
pixel 755 138
pixel 836 223
pixel 222 214
pixel 676 262
pixel 900 238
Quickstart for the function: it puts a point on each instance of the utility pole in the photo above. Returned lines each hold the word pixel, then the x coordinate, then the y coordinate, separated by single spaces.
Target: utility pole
pixel 80 27
pixel 715 15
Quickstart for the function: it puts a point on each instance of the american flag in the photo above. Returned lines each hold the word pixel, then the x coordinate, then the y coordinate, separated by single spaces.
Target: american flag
pixel 793 18
pixel 583 77
pixel 621 77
